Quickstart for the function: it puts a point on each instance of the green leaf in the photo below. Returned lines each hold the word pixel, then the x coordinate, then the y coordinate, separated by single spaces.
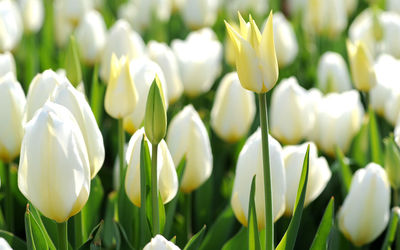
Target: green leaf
pixel 14 242
pixel 97 95
pixel 360 148
pixel 34 235
pixel 36 214
pixel 196 240
pixel 321 238
pixel 344 170
pixel 374 138
pixel 391 231
pixel 239 241
pixel 110 235
pixel 392 162
pixel 290 236
pixel 254 238
pixel 94 241
pixel 145 163
pixel 72 64
pixel 124 235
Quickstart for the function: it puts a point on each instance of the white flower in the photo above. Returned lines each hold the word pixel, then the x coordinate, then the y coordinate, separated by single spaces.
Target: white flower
pixel 11 27
pixel 160 243
pixel 285 40
pixel 332 73
pixel 7 64
pixel 199 13
pixel 32 14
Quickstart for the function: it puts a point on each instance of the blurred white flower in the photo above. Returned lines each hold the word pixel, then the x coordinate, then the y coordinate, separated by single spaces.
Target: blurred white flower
pixel 4 244
pixel 332 73
pixel 296 7
pixel 393 5
pixel 32 14
pixel 11 26
pixel 74 10
pixel 199 58
pixel 160 243
pixel 285 40
pixel 199 13
pixel 7 63
pixel 260 7
pixel 314 96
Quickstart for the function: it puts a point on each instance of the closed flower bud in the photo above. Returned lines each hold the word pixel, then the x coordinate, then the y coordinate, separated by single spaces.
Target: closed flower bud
pixel 72 64
pixel 155 119
pixel 319 173
pixel 12 103
pixel 166 173
pixel 7 63
pixel 54 172
pixel 392 106
pixel 62 27
pixel 289 121
pixel 166 59
pixel 74 10
pixel 187 138
pixel 11 25
pixel 250 163
pixel 67 96
pixel 285 40
pixel 160 243
pixel 256 60
pixel 234 109
pixel 366 209
pixel 91 37
pixel 32 14
pixel 332 74
pixel 199 58
pixel 199 13
pixel 143 72
pixel 121 94
pixel 392 159
pixel 121 41
pixel 361 66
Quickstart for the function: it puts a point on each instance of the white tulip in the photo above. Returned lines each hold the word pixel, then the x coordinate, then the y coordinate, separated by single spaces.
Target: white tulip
pixel 32 14
pixel 260 7
pixel 74 10
pixel 143 72
pixel 314 96
pixel 67 96
pixel 91 36
pixel 160 243
pixel 199 13
pixel 285 40
pixel 166 174
pixel 11 26
pixel 63 28
pixel 187 137
pixel 54 172
pixel 199 58
pixel 296 6
pixel 250 163
pixel 12 103
pixel 166 59
pixel 332 73
pixel 289 121
pixel 366 209
pixel 233 110
pixel 393 5
pixel 122 41
pixel 7 63
pixel 319 173
pixel 4 244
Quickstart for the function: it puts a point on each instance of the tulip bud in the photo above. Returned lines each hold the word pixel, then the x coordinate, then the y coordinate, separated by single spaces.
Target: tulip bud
pixel 11 25
pixel 256 61
pixel 166 173
pixel 91 37
pixel 155 120
pixel 392 161
pixel 366 209
pixel 12 103
pixel 54 172
pixel 7 63
pixel 143 72
pixel 4 244
pixel 361 66
pixel 392 106
pixel 72 64
pixel 234 109
pixel 199 13
pixel 187 137
pixel 166 59
pixel 199 58
pixel 160 243
pixel 33 14
pixel 63 28
pixel 319 174
pixel 74 10
pixel 250 163
pixel 121 41
pixel 333 75
pixel 121 94
pixel 66 95
pixel 289 121
pixel 285 40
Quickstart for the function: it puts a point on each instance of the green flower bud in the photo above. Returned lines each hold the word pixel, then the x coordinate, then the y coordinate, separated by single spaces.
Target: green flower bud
pixel 72 64
pixel 392 162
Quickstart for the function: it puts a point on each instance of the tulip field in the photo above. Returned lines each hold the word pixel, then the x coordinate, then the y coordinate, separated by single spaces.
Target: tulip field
pixel 200 124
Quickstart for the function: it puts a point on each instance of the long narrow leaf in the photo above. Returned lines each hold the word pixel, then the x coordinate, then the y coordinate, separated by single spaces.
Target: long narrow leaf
pixel 196 240
pixel 239 241
pixel 344 170
pixel 254 238
pixel 320 240
pixel 14 242
pixel 374 138
pixel 34 235
pixel 391 231
pixel 145 161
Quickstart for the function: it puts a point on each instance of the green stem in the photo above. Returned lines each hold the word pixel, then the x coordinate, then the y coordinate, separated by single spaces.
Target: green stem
pixel 62 235
pixel 154 191
pixel 121 151
pixel 188 215
pixel 78 228
pixel 269 222
pixel 9 201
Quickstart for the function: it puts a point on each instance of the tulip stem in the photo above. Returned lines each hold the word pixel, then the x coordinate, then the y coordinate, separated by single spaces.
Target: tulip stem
pixel 9 200
pixel 62 235
pixel 188 215
pixel 269 223
pixel 121 151
pixel 154 192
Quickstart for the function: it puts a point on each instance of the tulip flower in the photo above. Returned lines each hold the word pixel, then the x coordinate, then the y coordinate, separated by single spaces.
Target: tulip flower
pixel 63 28
pixel 91 37
pixel 54 171
pixel 75 102
pixel 143 72
pixel 361 66
pixel 285 40
pixel 234 109
pixel 289 121
pixel 332 73
pixel 260 7
pixel 187 137
pixel 12 103
pixel 393 5
pixel 160 243
pixel 319 173
pixel 32 14
pixel 256 61
pixel 199 58
pixel 11 25
pixel 4 244
pixel 166 174
pixel 121 94
pixel 199 13
pixel 7 63
pixel 121 41
pixel 74 10
pixel 366 209
pixel 314 97
pixel 166 59
pixel 249 164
